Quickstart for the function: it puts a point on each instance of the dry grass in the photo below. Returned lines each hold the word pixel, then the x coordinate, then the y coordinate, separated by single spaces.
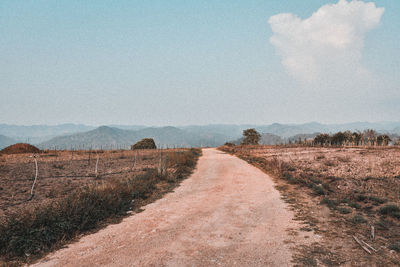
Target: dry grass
pixel 32 229
pixel 359 187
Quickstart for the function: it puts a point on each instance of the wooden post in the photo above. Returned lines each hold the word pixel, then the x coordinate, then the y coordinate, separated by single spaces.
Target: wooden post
pixel 36 176
pixel 97 162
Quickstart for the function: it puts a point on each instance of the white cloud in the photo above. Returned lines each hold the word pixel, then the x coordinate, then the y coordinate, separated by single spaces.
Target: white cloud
pixel 328 45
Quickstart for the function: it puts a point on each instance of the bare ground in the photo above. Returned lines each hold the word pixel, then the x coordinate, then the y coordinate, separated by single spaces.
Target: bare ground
pixel 227 213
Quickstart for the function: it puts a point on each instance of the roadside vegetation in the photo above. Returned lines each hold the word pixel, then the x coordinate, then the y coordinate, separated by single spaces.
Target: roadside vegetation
pixel 360 187
pixel 30 232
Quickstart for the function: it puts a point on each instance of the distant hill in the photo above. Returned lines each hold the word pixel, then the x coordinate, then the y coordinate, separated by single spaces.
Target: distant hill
pixel 67 135
pixel 271 139
pixel 6 141
pixel 108 137
pixel 39 133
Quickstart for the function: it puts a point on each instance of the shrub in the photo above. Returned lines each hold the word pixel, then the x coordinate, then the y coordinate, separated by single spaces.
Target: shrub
pixel 318 189
pixel 344 210
pixel 395 246
pixel 377 200
pixel 357 219
pixel 391 210
pixel 229 144
pixel 146 143
pixel 331 203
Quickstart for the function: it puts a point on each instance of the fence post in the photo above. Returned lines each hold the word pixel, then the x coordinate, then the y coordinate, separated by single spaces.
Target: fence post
pixel 36 176
pixel 97 162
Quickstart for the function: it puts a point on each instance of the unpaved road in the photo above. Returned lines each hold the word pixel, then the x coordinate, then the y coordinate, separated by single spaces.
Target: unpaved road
pixel 227 213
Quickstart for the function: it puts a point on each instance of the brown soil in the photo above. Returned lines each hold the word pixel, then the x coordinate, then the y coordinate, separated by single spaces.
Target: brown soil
pixel 227 213
pixel 337 193
pixel 20 148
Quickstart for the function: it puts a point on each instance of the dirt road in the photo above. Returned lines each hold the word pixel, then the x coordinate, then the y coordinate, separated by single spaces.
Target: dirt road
pixel 227 213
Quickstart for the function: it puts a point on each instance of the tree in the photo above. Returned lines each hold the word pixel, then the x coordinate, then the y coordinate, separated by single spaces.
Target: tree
pixel 370 136
pixel 322 139
pixel 356 138
pixel 338 139
pixel 383 140
pixel 251 137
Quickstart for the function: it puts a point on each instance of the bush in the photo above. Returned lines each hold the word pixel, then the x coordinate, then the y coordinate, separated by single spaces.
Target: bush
pixel 331 203
pixel 395 246
pixel 146 143
pixel 344 210
pixel 318 189
pixel 391 210
pixel 229 144
pixel 358 219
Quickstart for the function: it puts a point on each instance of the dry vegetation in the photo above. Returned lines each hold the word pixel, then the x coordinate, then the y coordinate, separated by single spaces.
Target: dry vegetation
pixel 338 193
pixel 70 199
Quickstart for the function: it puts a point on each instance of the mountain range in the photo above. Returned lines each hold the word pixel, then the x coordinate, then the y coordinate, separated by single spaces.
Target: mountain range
pixel 66 136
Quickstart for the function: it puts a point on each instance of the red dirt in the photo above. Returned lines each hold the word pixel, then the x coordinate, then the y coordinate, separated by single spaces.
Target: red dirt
pixel 20 148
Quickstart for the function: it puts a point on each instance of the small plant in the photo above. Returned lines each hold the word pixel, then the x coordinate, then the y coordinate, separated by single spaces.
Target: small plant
pixel 361 197
pixel 58 166
pixel 318 189
pixel 377 200
pixel 355 205
pixel 287 176
pixel 331 203
pixel 344 210
pixel 229 144
pixel 357 219
pixel 395 246
pixel 390 210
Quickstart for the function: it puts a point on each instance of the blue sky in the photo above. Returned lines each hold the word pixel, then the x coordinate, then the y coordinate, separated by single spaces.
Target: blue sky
pixel 192 62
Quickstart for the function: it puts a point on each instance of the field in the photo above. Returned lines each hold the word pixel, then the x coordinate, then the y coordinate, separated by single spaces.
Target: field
pixel 71 197
pixel 341 194
pixel 60 172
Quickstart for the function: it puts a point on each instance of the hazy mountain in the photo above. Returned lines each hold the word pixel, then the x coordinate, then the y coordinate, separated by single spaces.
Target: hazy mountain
pixel 6 141
pixel 303 137
pixel 271 139
pixel 39 133
pixel 108 137
pixel 66 135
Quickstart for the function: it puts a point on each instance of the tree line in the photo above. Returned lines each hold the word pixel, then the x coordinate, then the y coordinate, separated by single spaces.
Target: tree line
pixel 368 137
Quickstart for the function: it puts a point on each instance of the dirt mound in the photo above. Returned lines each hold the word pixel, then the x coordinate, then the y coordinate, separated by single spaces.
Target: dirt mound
pixel 146 143
pixel 20 148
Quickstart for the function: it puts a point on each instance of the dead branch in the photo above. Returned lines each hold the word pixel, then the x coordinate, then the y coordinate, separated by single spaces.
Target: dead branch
pixel 361 245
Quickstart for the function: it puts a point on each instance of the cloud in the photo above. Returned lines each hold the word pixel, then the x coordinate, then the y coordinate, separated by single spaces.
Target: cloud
pixel 328 45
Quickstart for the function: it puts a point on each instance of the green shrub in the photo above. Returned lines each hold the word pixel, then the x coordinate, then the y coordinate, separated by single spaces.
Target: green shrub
pixel 331 203
pixel 377 200
pixel 395 246
pixel 318 189
pixel 391 210
pixel 354 205
pixel 344 210
pixel 358 219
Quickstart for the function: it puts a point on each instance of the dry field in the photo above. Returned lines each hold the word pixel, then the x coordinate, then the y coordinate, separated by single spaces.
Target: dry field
pixel 339 194
pixel 60 172
pixel 71 198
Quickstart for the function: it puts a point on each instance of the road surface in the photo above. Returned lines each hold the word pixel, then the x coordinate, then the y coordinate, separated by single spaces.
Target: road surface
pixel 227 213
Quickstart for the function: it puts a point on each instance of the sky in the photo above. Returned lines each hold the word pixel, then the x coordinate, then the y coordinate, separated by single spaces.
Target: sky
pixel 199 62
